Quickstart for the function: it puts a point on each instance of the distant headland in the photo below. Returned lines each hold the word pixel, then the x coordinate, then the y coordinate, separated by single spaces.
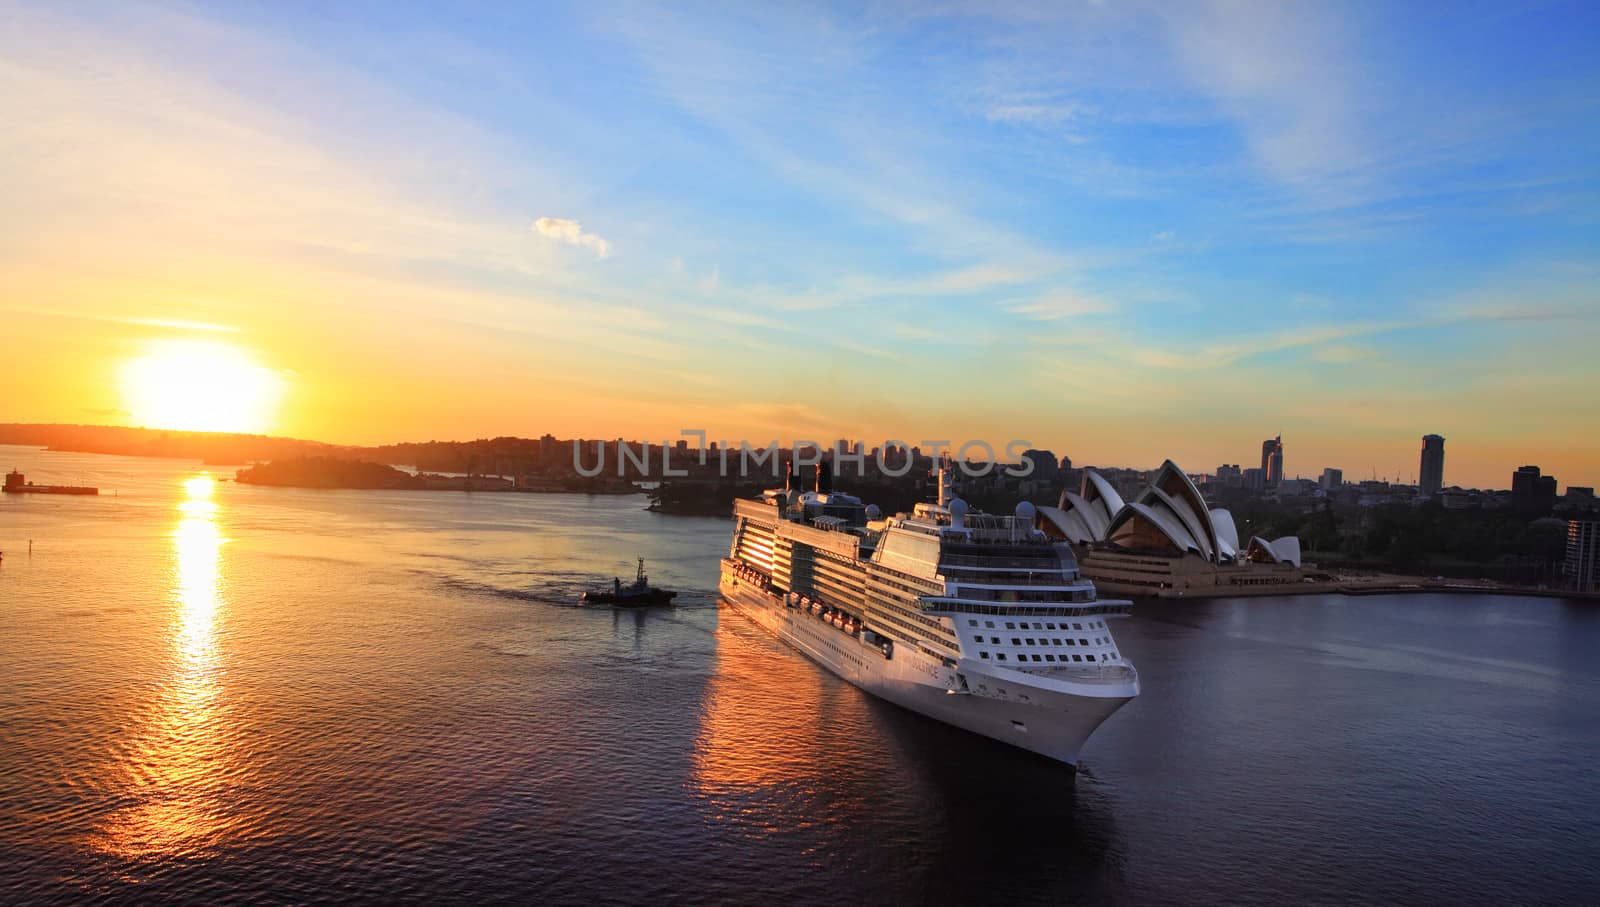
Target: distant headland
pixel 332 472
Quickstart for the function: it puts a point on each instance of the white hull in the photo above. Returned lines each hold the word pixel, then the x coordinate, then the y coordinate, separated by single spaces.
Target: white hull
pixel 1039 713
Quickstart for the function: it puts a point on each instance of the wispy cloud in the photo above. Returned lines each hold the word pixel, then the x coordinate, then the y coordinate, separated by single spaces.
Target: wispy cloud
pixel 711 282
pixel 1333 341
pixel 179 324
pixel 860 288
pixel 1033 111
pixel 805 102
pixel 1344 354
pixel 1284 74
pixel 998 182
pixel 176 324
pixel 572 233
pixel 1059 304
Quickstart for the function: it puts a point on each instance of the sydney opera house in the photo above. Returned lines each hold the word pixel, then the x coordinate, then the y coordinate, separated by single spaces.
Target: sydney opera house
pixel 1165 542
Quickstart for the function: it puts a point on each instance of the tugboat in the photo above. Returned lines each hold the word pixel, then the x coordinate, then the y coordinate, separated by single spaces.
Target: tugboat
pixel 638 594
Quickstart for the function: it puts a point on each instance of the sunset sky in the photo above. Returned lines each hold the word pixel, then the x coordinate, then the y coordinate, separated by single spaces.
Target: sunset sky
pixel 1123 231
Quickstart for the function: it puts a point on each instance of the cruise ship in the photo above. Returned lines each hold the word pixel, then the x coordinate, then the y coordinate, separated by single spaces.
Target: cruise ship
pixel 977 620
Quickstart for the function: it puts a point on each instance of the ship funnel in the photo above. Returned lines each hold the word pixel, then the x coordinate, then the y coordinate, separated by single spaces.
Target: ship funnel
pixel 824 478
pixel 947 490
pixel 793 477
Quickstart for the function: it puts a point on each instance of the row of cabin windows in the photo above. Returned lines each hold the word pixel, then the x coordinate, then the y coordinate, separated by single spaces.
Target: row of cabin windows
pixel 1001 656
pixel 1011 625
pixel 1017 641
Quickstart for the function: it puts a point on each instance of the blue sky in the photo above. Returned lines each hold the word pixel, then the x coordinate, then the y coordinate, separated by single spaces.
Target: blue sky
pixel 1125 230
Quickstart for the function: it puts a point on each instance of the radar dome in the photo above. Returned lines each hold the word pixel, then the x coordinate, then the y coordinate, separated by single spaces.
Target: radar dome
pixel 1025 513
pixel 958 513
pixel 874 512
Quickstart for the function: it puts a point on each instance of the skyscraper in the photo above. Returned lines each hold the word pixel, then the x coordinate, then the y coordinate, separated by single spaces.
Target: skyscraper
pixel 1272 460
pixel 1430 478
pixel 1332 479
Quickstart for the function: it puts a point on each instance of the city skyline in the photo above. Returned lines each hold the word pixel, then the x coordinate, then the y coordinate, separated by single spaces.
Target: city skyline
pixel 1126 232
pixel 647 453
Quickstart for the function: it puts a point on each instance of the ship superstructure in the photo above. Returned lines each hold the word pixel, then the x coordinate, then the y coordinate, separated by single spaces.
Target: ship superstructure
pixel 978 620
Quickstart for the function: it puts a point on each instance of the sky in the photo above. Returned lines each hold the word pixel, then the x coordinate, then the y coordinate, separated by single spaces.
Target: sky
pixel 1123 231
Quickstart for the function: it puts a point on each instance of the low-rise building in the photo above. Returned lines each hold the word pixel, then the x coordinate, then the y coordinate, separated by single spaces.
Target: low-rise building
pixel 1293 488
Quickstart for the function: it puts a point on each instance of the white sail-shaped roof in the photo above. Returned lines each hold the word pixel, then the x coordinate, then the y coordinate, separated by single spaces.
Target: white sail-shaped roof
pixel 1184 498
pixel 1096 488
pixel 1227 532
pixel 1069 524
pixel 1094 514
pixel 1137 521
pixel 1178 510
pixel 1169 511
pixel 1278 551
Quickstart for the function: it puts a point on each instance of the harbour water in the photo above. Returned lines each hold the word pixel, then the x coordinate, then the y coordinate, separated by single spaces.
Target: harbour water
pixel 210 690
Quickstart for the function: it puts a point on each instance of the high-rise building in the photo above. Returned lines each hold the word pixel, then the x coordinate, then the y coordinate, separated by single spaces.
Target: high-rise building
pixel 1272 460
pixel 1430 477
pixel 1582 566
pixel 1254 479
pixel 1331 479
pixel 1531 491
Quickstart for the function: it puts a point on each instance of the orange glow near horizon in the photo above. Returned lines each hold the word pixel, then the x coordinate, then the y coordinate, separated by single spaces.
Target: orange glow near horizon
pixel 190 385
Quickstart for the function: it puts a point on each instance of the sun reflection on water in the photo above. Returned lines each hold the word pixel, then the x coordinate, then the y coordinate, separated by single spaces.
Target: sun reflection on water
pixel 177 765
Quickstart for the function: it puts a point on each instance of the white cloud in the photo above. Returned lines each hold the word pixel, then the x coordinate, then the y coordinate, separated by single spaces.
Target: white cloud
pixel 1032 113
pixel 1058 305
pixel 571 232
pixel 1286 75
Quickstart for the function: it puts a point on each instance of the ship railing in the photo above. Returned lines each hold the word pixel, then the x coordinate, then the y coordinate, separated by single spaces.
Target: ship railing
pixel 1036 579
pixel 1018 597
pixel 1029 609
pixel 766 513
pixel 995 561
pixel 1107 674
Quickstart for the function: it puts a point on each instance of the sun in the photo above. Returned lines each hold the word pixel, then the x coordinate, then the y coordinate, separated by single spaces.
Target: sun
pixel 188 385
